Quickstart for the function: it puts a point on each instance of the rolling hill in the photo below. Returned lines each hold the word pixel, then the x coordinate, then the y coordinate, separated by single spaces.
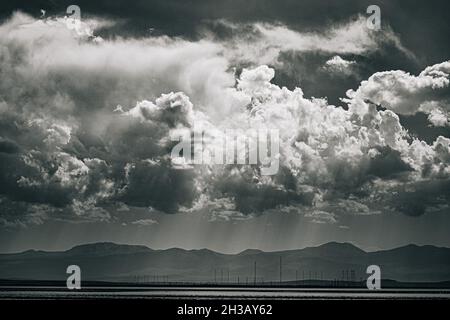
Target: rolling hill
pixel 114 262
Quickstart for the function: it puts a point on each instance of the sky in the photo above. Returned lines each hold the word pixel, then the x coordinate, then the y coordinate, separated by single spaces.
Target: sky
pixel 89 110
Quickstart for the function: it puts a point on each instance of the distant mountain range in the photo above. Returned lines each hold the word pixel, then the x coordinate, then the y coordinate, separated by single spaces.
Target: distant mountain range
pixel 340 261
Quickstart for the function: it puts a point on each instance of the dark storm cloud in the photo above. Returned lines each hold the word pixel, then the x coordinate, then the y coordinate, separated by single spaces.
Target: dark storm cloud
pixel 159 186
pixel 421 197
pixel 86 122
pixel 251 197
pixel 8 146
pixel 62 145
pixel 387 163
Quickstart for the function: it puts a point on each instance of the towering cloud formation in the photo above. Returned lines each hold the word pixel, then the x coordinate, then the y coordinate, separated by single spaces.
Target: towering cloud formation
pixel 75 145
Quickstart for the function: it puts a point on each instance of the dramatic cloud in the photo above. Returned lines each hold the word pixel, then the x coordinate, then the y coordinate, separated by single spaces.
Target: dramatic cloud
pixel 407 94
pixel 86 127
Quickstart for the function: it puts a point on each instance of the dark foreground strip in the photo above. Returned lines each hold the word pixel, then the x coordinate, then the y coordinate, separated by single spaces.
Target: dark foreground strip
pixel 221 309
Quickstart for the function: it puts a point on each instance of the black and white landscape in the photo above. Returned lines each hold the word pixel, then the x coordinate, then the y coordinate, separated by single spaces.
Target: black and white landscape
pixel 316 265
pixel 93 95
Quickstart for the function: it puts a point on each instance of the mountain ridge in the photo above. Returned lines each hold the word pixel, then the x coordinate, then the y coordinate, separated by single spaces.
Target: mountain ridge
pixel 108 261
pixel 218 252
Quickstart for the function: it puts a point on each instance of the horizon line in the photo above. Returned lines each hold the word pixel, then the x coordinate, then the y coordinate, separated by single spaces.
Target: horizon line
pixel 223 253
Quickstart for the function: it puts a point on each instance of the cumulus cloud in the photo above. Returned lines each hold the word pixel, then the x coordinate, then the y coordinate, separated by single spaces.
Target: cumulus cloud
pixel 438 117
pixel 408 94
pixel 339 65
pixel 90 128
pixel 330 157
pixel 335 160
pixel 144 222
pixel 321 217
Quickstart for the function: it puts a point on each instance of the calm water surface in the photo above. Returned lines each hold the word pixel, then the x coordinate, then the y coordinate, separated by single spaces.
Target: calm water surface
pixel 218 293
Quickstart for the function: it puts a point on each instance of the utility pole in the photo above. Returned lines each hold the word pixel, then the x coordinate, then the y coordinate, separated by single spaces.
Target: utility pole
pixel 281 268
pixel 254 274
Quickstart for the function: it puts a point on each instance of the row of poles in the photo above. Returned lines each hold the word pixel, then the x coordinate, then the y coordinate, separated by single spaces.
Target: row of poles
pixel 347 276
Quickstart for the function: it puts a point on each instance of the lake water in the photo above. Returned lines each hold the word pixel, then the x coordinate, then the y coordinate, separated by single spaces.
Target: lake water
pixel 218 293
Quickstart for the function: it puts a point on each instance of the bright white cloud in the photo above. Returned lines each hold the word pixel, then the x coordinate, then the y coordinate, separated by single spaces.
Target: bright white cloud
pixel 144 222
pixel 338 65
pixel 407 94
